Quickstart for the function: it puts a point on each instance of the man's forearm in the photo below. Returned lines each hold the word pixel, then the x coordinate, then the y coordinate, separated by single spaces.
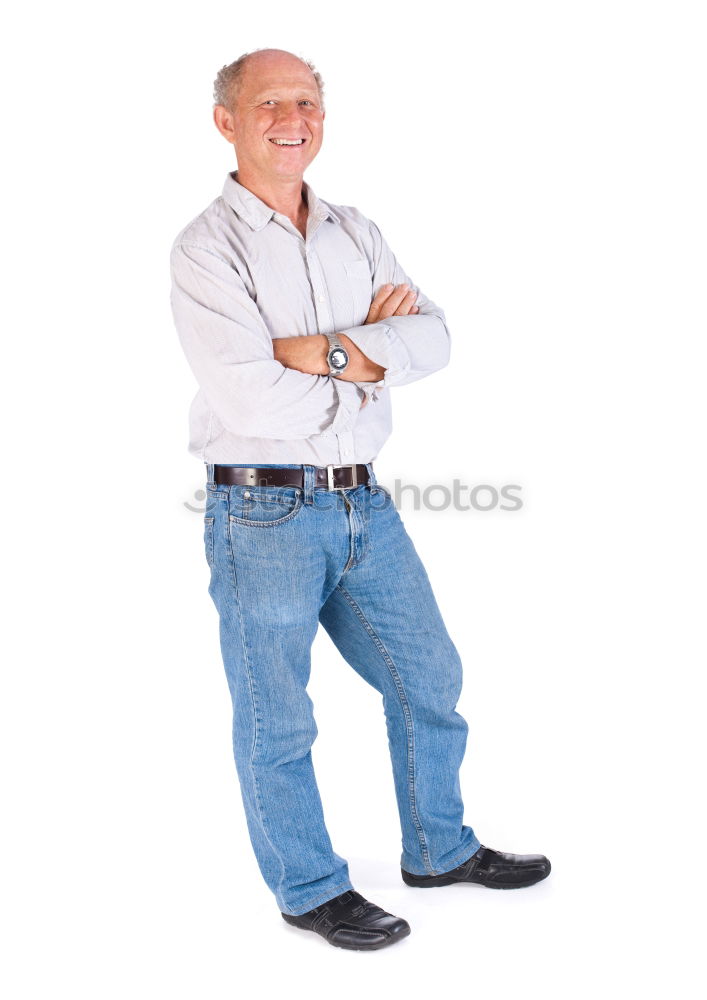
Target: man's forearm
pixel 308 354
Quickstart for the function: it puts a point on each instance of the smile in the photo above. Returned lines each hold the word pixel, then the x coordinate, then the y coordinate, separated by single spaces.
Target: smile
pixel 288 142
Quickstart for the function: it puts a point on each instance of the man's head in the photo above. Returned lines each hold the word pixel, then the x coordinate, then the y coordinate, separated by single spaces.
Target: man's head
pixel 265 96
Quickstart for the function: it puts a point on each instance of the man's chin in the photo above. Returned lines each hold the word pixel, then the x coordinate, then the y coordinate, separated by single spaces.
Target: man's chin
pixel 291 170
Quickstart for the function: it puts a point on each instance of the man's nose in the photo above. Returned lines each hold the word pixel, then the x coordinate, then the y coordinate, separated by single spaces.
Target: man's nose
pixel 289 114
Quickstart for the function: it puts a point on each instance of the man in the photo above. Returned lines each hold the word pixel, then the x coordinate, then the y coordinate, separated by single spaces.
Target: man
pixel 297 321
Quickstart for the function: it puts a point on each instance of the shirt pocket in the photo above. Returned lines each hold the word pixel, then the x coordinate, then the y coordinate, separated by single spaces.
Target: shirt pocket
pixel 360 287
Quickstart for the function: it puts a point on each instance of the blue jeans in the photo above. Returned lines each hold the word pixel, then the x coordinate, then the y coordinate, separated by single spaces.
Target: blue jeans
pixel 284 559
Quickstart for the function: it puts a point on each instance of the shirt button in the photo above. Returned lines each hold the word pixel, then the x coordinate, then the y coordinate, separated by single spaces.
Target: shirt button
pixel 320 298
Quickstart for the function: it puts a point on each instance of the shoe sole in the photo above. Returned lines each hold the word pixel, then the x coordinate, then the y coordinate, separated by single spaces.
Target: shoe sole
pixel 292 920
pixel 435 880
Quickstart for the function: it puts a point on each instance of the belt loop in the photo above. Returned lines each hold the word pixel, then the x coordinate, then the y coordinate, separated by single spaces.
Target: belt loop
pixel 210 475
pixel 308 483
pixel 371 475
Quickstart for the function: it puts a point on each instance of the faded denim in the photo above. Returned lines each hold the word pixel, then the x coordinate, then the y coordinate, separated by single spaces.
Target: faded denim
pixel 283 560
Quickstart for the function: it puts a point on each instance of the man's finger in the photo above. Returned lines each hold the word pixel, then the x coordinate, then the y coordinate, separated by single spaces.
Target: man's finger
pixel 394 300
pixel 407 305
pixel 391 300
pixel 377 303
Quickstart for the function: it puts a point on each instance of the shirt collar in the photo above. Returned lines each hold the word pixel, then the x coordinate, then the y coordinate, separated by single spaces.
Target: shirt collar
pixel 257 214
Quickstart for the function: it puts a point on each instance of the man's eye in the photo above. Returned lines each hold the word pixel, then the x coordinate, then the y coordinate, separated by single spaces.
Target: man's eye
pixel 306 102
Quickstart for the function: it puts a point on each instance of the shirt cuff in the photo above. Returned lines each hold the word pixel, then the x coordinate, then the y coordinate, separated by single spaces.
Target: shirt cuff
pixel 371 390
pixel 350 399
pixel 380 343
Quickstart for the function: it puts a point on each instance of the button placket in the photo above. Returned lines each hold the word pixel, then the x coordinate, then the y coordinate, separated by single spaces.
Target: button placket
pixel 319 290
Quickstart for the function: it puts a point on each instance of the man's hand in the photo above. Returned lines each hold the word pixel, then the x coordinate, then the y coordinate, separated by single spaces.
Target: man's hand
pixel 392 300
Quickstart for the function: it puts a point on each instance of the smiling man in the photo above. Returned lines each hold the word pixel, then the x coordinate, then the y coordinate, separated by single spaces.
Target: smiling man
pixel 297 320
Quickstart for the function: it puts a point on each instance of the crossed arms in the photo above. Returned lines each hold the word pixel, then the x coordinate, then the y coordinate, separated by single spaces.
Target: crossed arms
pixel 263 386
pixel 308 354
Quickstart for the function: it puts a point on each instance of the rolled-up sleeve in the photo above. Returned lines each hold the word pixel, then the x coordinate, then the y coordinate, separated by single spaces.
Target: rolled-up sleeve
pixel 229 349
pixel 408 347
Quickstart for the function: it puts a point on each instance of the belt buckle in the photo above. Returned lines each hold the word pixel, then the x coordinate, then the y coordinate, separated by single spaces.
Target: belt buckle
pixel 330 476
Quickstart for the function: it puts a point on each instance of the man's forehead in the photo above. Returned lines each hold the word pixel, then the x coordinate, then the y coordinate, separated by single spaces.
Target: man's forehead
pixel 262 74
pixel 266 85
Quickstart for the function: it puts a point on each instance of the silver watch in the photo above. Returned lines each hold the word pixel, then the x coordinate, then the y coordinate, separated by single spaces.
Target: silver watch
pixel 338 356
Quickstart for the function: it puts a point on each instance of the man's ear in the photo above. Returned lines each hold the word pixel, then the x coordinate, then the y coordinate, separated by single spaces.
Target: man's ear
pixel 223 120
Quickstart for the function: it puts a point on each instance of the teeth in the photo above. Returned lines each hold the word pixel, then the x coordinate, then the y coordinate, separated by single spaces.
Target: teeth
pixel 287 142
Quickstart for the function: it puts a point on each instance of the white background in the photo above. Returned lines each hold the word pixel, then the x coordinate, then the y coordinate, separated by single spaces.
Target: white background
pixel 538 168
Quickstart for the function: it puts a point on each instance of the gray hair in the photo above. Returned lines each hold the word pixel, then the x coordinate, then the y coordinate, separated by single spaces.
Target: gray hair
pixel 228 80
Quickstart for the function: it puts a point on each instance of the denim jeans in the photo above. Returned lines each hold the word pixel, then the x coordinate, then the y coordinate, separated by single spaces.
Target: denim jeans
pixel 284 559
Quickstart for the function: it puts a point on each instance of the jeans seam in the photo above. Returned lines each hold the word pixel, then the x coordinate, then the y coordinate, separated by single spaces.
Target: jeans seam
pixel 407 715
pixel 254 703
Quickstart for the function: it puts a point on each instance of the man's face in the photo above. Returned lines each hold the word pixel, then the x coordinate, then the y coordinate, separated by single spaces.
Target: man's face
pixel 278 99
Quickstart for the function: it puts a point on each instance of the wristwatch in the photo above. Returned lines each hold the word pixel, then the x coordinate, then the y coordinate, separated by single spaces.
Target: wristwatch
pixel 338 356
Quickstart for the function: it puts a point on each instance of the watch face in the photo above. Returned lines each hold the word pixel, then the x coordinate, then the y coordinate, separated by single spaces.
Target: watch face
pixel 338 358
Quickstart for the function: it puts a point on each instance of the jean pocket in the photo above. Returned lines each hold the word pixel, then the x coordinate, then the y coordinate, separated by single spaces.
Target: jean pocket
pixel 380 498
pixel 209 540
pixel 264 506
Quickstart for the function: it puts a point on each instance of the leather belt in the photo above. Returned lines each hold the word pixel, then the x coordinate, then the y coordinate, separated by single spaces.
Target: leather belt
pixel 334 477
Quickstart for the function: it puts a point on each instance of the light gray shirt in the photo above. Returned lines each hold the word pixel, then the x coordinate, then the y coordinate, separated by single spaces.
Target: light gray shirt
pixel 242 275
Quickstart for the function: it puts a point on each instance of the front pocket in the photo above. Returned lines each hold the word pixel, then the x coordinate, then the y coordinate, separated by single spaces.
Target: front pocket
pixel 265 506
pixel 209 540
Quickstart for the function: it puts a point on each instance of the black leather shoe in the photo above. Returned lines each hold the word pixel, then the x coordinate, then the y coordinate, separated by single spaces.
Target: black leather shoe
pixel 494 869
pixel 350 921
